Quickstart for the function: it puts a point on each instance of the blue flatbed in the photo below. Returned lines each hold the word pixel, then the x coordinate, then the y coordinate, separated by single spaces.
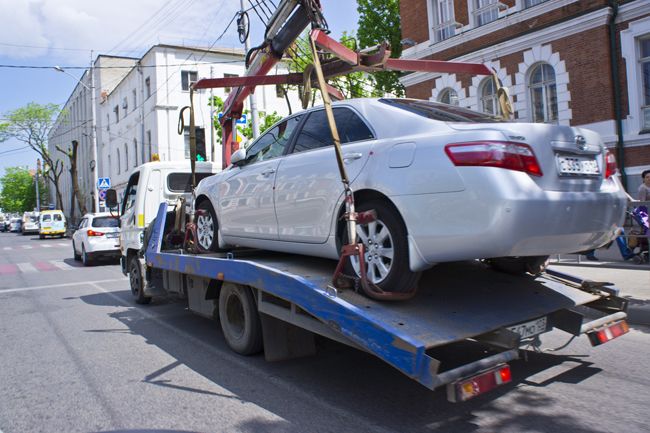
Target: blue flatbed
pixel 456 303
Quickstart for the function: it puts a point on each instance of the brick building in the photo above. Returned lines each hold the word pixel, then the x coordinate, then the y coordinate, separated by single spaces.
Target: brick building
pixel 580 63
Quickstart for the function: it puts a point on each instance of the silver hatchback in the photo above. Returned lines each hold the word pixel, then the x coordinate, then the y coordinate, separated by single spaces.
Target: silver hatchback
pixel 447 183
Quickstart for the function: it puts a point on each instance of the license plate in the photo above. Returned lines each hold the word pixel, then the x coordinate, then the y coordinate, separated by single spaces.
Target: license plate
pixel 580 165
pixel 530 329
pixel 111 235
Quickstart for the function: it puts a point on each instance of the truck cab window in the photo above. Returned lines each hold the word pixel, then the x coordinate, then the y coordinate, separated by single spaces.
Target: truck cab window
pixel 130 192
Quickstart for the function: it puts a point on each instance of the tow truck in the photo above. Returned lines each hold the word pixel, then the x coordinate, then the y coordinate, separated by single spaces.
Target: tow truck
pixel 460 330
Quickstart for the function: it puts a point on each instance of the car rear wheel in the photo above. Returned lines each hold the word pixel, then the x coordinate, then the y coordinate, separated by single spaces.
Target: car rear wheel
pixel 136 282
pixel 85 257
pixel 240 321
pixel 386 255
pixel 206 227
pixel 76 255
pixel 534 265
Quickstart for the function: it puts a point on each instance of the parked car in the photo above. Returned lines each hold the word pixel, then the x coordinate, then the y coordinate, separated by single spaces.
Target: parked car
pixel 15 225
pixel 4 223
pixel 98 235
pixel 447 184
pixel 30 223
pixel 51 223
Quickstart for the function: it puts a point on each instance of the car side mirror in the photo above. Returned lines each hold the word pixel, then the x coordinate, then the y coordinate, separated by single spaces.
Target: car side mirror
pixel 238 157
pixel 111 198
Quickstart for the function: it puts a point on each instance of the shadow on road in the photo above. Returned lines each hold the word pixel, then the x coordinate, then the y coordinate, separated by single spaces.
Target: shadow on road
pixel 342 380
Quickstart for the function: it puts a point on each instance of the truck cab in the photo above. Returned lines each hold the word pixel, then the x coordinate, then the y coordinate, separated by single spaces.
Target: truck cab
pixel 149 185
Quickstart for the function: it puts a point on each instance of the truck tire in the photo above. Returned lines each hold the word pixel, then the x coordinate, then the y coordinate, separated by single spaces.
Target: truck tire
pixel 136 281
pixel 240 321
pixel 387 261
pixel 206 227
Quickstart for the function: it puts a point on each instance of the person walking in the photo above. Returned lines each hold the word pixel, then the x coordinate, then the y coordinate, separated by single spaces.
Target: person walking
pixel 644 189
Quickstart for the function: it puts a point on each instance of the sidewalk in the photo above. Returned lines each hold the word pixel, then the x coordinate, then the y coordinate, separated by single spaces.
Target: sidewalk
pixel 633 280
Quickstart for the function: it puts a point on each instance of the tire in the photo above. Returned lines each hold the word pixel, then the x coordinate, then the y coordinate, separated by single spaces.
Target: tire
pixel 534 265
pixel 75 255
pixel 136 282
pixel 387 258
pixel 240 321
pixel 41 236
pixel 85 257
pixel 206 227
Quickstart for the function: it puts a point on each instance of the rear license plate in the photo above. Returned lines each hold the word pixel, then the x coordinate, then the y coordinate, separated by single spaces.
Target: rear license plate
pixel 577 165
pixel 111 235
pixel 530 329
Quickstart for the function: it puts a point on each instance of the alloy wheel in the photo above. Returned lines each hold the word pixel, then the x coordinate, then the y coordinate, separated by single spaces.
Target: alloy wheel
pixel 205 230
pixel 379 250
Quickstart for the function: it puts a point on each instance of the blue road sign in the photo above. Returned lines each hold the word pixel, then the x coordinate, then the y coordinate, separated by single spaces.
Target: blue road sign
pixel 104 183
pixel 241 121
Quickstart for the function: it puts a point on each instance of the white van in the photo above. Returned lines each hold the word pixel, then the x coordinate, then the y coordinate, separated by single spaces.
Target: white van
pixel 149 185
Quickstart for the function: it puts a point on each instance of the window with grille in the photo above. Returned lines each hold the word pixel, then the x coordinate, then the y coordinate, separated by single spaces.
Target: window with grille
pixel 444 23
pixel 543 93
pixel 448 96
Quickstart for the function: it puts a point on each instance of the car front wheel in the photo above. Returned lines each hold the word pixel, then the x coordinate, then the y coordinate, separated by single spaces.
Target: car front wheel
pixel 386 250
pixel 206 227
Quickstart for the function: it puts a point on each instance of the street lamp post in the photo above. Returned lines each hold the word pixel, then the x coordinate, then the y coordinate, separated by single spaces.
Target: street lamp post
pixel 93 131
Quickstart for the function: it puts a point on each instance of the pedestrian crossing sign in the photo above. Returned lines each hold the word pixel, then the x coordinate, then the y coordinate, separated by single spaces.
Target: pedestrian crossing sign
pixel 104 183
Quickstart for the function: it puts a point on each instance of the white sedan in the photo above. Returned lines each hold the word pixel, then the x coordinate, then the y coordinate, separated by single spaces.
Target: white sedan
pixel 97 236
pixel 447 184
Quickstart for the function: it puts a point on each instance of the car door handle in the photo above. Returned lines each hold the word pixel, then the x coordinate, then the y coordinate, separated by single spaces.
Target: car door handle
pixel 351 156
pixel 268 172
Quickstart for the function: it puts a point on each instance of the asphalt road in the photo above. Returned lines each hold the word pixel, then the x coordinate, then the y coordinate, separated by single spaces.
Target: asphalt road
pixel 77 355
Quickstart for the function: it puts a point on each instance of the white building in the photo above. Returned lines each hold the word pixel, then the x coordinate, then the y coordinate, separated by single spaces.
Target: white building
pixel 137 112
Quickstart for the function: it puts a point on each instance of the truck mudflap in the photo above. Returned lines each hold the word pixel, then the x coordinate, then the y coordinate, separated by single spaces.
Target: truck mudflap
pixel 462 329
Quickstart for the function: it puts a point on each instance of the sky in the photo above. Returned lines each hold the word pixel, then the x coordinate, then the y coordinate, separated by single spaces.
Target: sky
pixel 69 33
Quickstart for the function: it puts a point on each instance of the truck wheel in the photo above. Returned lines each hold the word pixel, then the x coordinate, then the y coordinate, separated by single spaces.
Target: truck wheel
pixel 534 265
pixel 206 227
pixel 136 281
pixel 239 319
pixel 387 262
pixel 85 257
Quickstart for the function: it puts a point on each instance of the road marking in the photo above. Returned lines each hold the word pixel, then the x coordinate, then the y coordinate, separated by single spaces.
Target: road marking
pixel 7 248
pixel 62 265
pixel 26 267
pixel 8 269
pixel 27 247
pixel 62 244
pixel 46 246
pixel 44 266
pixel 55 286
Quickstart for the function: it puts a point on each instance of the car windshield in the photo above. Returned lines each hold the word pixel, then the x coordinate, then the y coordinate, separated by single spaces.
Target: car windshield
pixel 439 111
pixel 104 222
pixel 47 218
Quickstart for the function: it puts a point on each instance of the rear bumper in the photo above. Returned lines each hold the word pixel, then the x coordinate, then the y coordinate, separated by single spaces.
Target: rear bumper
pixel 51 232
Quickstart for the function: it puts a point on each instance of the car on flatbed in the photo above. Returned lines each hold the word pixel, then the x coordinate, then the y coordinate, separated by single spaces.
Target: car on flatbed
pixel 447 184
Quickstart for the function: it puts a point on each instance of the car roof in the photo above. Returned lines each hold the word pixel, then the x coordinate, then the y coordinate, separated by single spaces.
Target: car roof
pixel 97 214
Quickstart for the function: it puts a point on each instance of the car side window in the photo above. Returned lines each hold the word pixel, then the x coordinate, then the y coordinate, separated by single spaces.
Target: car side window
pixel 130 192
pixel 272 143
pixel 316 131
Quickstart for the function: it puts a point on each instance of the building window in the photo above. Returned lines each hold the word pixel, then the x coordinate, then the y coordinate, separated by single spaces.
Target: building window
pixel 118 161
pixel 444 24
pixel 149 145
pixel 116 110
pixel 645 73
pixel 125 105
pixel 188 78
pixel 200 143
pixel 543 94
pixel 486 11
pixel 488 96
pixel 229 89
pixel 126 157
pixel 135 99
pixel 531 3
pixel 108 122
pixel 110 166
pixel 448 96
pixel 135 152
pixel 147 87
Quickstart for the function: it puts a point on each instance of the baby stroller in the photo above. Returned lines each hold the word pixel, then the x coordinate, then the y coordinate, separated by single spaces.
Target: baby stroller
pixel 636 247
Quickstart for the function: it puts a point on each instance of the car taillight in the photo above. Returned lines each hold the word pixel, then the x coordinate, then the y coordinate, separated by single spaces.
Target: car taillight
pixel 502 154
pixel 467 388
pixel 94 233
pixel 610 164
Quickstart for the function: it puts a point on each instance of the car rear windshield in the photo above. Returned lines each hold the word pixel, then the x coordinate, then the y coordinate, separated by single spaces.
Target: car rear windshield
pixel 104 222
pixel 182 182
pixel 33 219
pixel 439 111
pixel 47 218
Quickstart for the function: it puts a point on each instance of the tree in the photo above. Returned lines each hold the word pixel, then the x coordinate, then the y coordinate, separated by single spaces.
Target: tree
pixel 378 22
pixel 18 192
pixel 71 153
pixel 31 125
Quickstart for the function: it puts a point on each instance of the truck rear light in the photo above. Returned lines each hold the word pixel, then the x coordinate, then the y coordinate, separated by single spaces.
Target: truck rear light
pixel 609 332
pixel 465 389
pixel 501 154
pixel 94 233
pixel 610 164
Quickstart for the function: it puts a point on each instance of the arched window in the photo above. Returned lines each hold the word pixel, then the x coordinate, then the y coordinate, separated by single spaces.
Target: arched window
pixel 448 96
pixel 543 94
pixel 488 96
pixel 126 157
pixel 135 152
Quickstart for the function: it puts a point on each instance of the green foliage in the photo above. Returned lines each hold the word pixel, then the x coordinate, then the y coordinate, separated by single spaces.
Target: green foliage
pixel 265 120
pixel 378 22
pixel 29 124
pixel 18 192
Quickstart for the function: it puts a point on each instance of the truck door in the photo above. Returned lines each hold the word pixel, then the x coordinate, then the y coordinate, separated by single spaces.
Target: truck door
pixel 153 196
pixel 130 232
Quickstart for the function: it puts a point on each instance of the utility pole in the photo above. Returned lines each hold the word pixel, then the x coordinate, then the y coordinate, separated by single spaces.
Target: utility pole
pixel 38 195
pixel 252 99
pixel 213 152
pixel 93 104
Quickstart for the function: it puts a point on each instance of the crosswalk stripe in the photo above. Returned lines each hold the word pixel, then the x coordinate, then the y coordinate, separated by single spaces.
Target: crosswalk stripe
pixel 46 246
pixel 62 244
pixel 27 247
pixel 8 269
pixel 45 266
pixel 61 265
pixel 7 248
pixel 26 267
